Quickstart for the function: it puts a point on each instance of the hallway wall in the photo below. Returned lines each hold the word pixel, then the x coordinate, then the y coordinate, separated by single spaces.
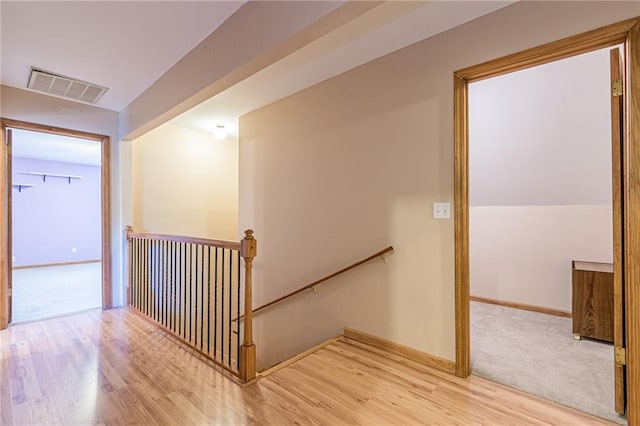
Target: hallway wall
pixel 523 254
pixel 53 217
pixel 346 167
pixel 185 182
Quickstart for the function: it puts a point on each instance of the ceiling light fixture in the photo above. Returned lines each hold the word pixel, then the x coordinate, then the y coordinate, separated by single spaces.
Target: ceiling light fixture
pixel 220 132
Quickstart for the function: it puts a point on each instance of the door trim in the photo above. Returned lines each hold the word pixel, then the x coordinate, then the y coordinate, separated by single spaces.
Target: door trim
pixel 617 156
pixel 105 142
pixel 627 32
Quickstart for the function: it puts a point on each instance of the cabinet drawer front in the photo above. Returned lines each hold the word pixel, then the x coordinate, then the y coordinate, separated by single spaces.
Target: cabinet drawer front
pixel 592 304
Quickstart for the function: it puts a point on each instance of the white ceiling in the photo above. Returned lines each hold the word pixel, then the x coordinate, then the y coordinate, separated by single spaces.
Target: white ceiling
pixel 526 127
pixel 123 45
pixel 374 34
pixel 126 46
pixel 46 146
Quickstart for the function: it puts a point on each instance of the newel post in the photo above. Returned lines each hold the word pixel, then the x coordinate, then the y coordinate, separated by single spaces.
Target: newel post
pixel 248 350
pixel 130 263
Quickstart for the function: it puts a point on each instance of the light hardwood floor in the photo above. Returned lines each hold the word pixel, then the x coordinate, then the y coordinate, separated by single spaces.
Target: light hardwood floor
pixel 113 367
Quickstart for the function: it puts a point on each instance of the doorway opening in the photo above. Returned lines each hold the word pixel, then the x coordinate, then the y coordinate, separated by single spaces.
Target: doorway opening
pixel 625 72
pixel 540 214
pixel 57 236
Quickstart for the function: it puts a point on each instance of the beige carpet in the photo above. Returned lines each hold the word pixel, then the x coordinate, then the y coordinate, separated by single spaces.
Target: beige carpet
pixel 537 353
pixel 52 291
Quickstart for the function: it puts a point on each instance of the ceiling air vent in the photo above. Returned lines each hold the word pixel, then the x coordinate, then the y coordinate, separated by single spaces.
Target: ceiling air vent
pixel 65 87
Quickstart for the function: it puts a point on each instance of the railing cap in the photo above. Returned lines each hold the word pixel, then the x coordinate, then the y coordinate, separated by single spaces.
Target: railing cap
pixel 249 248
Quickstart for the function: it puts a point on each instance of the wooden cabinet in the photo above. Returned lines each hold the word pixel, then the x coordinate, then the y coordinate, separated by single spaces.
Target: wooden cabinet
pixel 592 304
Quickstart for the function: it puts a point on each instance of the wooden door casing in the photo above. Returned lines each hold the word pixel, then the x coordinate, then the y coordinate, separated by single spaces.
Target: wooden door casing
pixel 617 128
pixel 9 140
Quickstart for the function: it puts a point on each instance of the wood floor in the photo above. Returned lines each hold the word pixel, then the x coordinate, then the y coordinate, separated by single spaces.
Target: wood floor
pixel 113 367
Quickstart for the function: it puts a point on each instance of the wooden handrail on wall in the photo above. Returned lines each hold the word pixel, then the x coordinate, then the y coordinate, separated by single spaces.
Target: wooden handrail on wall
pixel 320 281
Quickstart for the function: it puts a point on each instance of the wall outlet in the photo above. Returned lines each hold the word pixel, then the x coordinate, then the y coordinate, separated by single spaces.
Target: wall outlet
pixel 74 249
pixel 13 259
pixel 441 210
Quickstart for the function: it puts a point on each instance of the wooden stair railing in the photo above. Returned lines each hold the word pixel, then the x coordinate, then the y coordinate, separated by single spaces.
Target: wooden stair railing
pixel 192 288
pixel 385 252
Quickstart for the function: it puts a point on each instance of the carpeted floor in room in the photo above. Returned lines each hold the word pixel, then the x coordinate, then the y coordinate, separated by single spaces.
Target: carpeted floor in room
pixel 52 291
pixel 537 353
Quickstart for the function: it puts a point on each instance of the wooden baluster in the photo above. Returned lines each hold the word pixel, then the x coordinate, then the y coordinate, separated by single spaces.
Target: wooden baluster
pixel 248 352
pixel 130 266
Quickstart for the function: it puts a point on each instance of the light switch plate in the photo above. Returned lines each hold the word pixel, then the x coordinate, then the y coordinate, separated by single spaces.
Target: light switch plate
pixel 442 210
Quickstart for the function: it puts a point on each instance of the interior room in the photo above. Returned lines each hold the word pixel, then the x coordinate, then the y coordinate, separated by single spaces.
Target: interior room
pixel 311 266
pixel 540 200
pixel 56 225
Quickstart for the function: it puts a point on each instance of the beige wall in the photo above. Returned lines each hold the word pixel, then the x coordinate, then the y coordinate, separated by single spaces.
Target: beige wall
pixel 523 254
pixel 28 106
pixel 542 136
pixel 539 179
pixel 342 169
pixel 185 182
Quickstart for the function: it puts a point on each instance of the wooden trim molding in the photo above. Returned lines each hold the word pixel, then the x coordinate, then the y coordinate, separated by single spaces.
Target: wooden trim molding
pixel 461 225
pixel 631 234
pixel 9 252
pixel 25 125
pixel 554 51
pixel 107 290
pixel 398 349
pixel 4 233
pixel 231 245
pixel 523 306
pixel 106 208
pixel 617 156
pixel 627 32
pixel 46 265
